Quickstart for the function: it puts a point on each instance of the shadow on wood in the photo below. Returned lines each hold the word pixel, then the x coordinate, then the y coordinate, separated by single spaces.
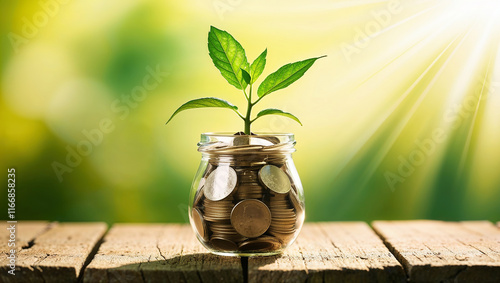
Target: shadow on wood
pixel 158 252
pixel 198 267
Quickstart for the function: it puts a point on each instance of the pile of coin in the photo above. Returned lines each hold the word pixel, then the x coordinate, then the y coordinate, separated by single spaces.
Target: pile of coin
pixel 216 211
pixel 284 217
pixel 248 186
pixel 247 203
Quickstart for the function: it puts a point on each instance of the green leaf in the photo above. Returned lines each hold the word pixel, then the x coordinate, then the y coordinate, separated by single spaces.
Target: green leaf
pixel 285 76
pixel 228 56
pixel 258 66
pixel 246 76
pixel 274 111
pixel 203 103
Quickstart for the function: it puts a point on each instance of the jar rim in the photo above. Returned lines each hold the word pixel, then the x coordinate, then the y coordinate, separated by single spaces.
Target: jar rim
pixel 260 143
pixel 258 134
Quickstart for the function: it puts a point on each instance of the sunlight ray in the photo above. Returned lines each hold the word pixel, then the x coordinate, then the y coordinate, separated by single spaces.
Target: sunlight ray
pixel 425 36
pixel 395 133
pixel 473 122
pixel 300 7
pixel 425 31
pixel 382 31
pixel 374 129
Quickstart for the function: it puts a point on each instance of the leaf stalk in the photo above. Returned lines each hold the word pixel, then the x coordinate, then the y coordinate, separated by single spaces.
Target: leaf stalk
pixel 248 121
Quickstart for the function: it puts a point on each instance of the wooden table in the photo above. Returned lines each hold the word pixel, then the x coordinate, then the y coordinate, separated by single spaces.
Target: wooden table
pixel 389 251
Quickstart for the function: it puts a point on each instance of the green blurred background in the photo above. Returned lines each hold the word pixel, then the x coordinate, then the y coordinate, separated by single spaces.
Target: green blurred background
pixel 401 120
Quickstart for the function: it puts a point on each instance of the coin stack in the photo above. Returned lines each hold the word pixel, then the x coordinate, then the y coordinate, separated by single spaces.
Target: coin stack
pixel 225 231
pixel 217 211
pixel 246 204
pixel 262 243
pixel 283 217
pixel 248 187
pixel 217 214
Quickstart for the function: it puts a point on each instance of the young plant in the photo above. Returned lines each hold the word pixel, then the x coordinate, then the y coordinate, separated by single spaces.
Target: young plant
pixel 229 57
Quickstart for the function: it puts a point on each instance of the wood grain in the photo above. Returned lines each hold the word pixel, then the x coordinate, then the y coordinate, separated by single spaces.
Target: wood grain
pixel 26 231
pixel 430 251
pixel 57 254
pixel 330 252
pixel 436 251
pixel 158 253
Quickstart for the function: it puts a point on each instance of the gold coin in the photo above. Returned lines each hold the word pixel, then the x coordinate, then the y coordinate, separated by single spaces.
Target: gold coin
pixel 251 218
pixel 220 183
pixel 275 179
pixel 199 223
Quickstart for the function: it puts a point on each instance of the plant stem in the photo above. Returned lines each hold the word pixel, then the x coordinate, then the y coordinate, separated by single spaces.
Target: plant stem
pixel 257 100
pixel 247 120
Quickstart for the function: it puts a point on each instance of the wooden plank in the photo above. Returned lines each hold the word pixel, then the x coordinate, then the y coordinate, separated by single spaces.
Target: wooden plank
pixel 436 251
pixel 331 252
pixel 56 255
pixel 26 231
pixel 158 253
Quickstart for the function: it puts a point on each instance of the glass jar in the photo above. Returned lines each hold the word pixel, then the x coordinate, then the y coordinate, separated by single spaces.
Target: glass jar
pixel 246 198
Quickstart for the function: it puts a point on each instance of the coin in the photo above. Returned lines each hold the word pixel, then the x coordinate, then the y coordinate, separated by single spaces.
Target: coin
pixel 269 141
pixel 295 201
pixel 199 194
pixel 277 147
pixel 226 231
pixel 240 148
pixel 213 146
pixel 260 244
pixel 220 183
pixel 248 176
pixel 275 179
pixel 251 218
pixel 241 140
pixel 199 223
pixel 223 244
pixel 249 190
pixel 284 237
pixel 217 210
pixel 284 217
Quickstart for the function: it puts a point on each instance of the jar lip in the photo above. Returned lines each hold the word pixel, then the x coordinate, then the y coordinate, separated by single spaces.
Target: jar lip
pixel 258 134
pixel 265 143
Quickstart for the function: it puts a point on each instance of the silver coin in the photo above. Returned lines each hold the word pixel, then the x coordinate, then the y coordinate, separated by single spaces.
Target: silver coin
pixel 275 179
pixel 220 183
